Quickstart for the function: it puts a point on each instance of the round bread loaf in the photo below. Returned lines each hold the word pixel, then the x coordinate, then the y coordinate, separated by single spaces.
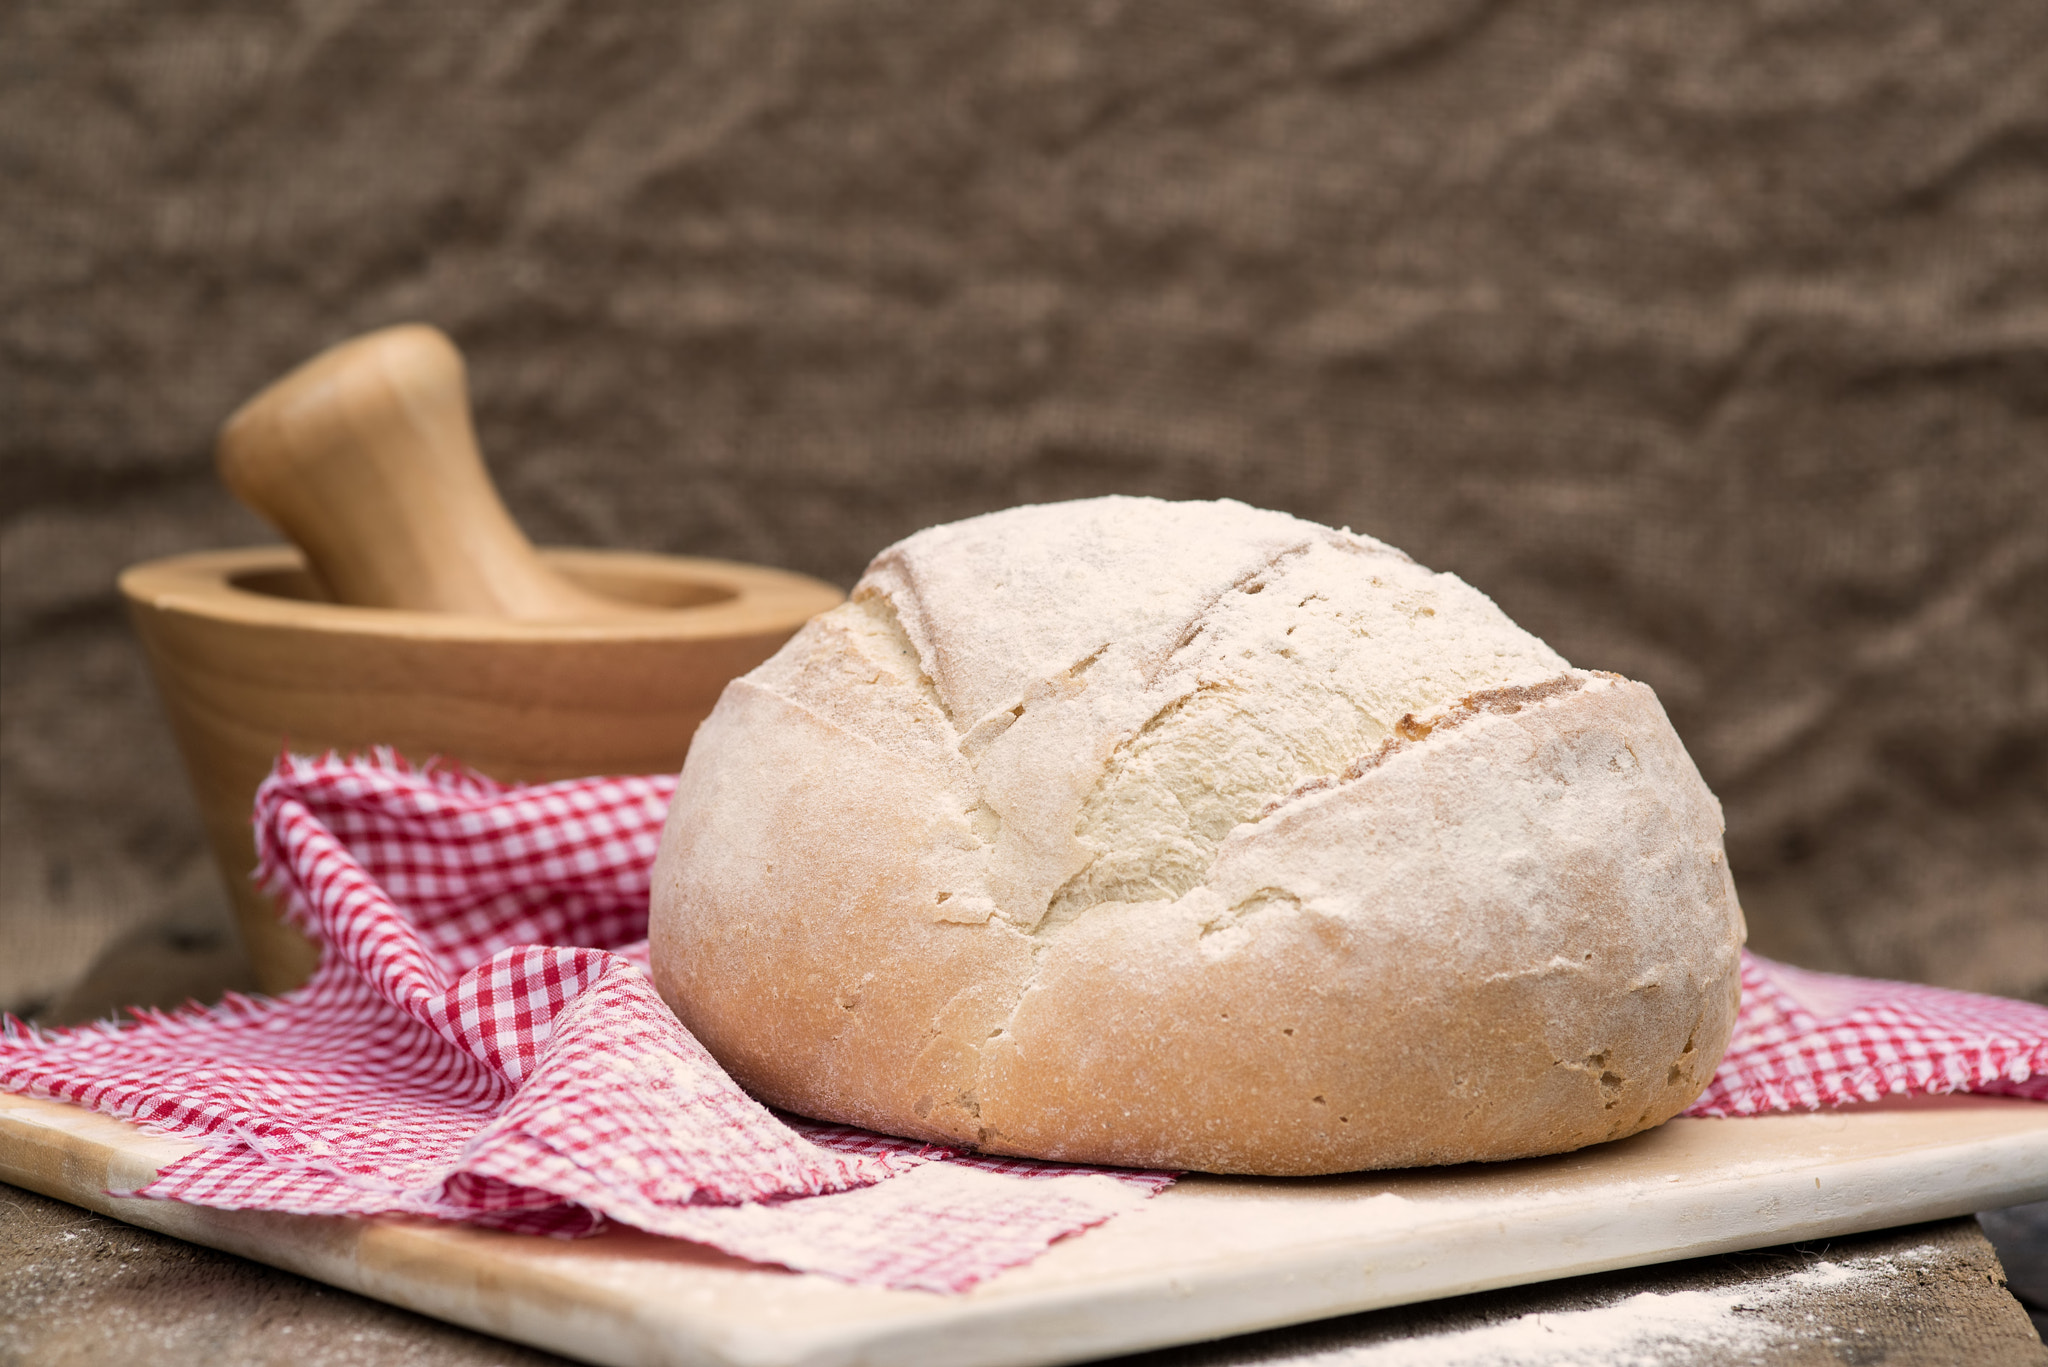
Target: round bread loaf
pixel 1189 835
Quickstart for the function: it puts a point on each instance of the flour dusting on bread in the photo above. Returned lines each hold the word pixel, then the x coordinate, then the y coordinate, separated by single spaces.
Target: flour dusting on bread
pixel 1195 835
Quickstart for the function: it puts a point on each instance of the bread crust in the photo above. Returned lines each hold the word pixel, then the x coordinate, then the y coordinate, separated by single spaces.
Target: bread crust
pixel 1507 930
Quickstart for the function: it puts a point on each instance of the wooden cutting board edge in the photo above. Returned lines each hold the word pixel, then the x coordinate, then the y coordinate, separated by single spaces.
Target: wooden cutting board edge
pixel 1321 1281
pixel 554 1296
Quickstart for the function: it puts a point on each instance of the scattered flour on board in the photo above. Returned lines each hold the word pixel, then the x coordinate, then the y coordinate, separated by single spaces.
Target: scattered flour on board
pixel 1649 1329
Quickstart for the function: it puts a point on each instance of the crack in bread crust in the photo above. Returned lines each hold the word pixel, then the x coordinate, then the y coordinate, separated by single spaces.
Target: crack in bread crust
pixel 1264 692
pixel 1411 730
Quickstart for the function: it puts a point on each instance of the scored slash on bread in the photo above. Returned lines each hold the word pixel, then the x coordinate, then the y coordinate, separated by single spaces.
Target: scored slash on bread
pixel 1410 728
pixel 1191 835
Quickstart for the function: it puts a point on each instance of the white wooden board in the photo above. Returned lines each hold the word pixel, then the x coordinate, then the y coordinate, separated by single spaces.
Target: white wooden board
pixel 1209 1257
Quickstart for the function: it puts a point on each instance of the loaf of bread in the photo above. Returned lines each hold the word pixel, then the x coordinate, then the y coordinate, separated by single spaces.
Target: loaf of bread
pixel 1190 835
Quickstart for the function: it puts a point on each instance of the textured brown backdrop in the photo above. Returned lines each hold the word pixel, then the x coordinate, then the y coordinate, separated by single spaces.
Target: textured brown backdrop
pixel 1710 339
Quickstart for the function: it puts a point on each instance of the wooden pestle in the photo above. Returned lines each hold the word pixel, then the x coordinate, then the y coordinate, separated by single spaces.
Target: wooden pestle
pixel 366 458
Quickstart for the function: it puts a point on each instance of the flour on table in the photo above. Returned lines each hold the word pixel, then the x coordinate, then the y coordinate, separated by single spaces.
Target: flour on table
pixel 1649 1329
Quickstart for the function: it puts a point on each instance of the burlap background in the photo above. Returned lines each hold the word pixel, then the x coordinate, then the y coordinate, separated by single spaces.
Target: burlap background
pixel 1710 339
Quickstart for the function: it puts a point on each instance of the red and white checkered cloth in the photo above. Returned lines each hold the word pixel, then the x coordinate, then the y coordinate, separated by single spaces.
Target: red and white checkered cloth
pixel 482 1043
pixel 1804 1040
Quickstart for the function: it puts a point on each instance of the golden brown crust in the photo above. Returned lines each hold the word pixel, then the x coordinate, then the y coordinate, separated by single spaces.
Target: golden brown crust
pixel 1445 1006
pixel 1423 1005
pixel 900 886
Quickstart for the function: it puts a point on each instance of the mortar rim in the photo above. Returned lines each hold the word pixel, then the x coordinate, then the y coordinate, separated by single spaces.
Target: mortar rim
pixel 202 584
